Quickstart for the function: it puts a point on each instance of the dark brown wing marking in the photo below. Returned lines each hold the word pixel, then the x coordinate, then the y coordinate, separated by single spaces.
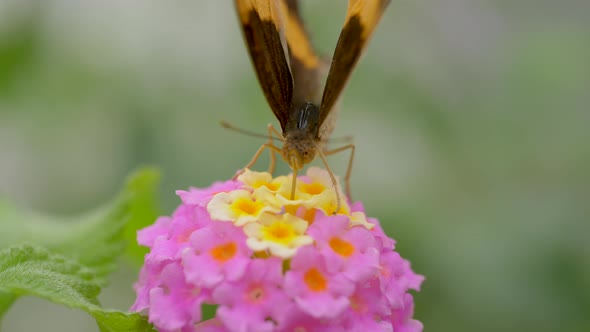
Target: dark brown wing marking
pixel 361 19
pixel 304 61
pixel 262 25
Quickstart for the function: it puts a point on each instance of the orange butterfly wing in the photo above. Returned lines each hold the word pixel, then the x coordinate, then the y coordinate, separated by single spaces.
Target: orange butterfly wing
pixel 362 18
pixel 262 28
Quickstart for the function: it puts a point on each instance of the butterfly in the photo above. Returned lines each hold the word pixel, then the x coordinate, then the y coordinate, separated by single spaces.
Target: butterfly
pixel 292 76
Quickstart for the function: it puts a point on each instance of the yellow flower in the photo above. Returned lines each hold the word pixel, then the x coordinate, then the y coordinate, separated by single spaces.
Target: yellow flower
pixel 359 218
pixel 238 206
pixel 280 234
pixel 257 180
pixel 316 191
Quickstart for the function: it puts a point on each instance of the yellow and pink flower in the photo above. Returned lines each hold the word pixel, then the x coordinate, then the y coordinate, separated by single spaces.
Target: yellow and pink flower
pixel 272 263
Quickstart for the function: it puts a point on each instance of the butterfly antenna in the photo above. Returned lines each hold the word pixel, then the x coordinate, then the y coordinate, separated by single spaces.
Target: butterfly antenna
pixel 341 140
pixel 229 126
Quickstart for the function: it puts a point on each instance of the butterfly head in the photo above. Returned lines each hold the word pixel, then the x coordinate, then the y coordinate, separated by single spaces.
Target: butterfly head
pixel 299 151
pixel 301 136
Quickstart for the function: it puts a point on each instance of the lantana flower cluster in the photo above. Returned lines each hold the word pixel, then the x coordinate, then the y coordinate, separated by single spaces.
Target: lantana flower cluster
pixel 272 263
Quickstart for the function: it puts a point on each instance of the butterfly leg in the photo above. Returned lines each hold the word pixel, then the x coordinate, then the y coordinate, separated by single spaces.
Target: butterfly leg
pixel 267 145
pixel 273 158
pixel 349 168
pixel 333 179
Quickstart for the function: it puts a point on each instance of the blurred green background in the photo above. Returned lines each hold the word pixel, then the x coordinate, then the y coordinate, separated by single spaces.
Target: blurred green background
pixel 471 119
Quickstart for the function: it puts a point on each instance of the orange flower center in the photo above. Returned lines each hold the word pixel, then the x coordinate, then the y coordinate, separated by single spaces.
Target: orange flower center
pixel 246 206
pixel 255 293
pixel 309 215
pixel 224 252
pixel 184 236
pixel 315 280
pixel 358 305
pixel 341 247
pixel 281 232
pixel 271 186
pixel 312 188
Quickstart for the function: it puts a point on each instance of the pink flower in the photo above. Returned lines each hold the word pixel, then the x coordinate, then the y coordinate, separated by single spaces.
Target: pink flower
pixel 315 290
pixel 298 320
pixel 270 263
pixel 347 250
pixel 149 278
pixel 147 236
pixel 250 303
pixel 201 197
pixel 396 278
pixel 174 303
pixel 218 253
pixel 368 310
pixel 402 318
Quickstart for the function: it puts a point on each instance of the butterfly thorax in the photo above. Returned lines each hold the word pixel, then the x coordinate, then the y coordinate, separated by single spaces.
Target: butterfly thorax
pixel 301 135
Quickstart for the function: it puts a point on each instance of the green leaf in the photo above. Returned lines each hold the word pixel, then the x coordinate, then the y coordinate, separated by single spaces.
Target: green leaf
pixel 94 239
pixel 17 49
pixel 116 321
pixel 73 256
pixel 6 301
pixel 143 208
pixel 28 270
